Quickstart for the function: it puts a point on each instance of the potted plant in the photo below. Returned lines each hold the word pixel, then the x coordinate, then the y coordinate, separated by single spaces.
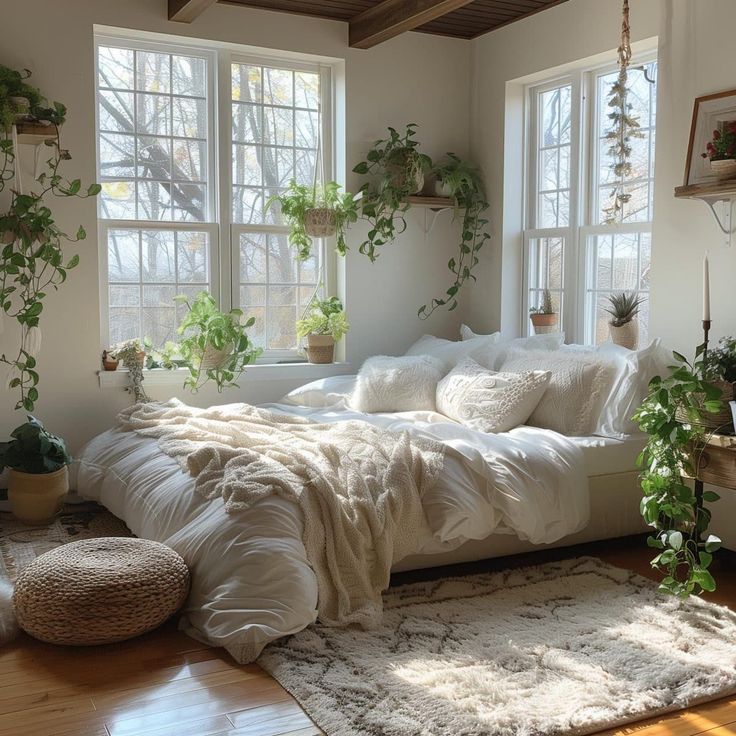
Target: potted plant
pixel 216 346
pixel 20 101
pixel 623 325
pixel 132 354
pixel 673 416
pixel 38 477
pixel 543 316
pixel 316 212
pixel 398 168
pixel 323 324
pixel 721 151
pixel 463 183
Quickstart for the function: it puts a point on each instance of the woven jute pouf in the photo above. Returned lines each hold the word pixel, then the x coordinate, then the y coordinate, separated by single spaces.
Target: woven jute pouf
pixel 99 591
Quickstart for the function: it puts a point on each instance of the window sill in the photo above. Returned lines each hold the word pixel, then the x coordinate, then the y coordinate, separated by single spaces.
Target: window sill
pixel 259 372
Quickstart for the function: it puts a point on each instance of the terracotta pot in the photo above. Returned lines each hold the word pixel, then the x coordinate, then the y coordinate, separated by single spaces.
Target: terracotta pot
pixel 108 363
pixel 543 323
pixel 320 348
pixel 627 336
pixel 724 169
pixel 35 498
pixel 320 222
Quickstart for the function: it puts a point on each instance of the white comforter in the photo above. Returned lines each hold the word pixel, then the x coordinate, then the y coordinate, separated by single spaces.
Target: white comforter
pixel 251 582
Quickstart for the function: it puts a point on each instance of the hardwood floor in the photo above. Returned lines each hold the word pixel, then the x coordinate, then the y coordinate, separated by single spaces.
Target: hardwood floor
pixel 166 684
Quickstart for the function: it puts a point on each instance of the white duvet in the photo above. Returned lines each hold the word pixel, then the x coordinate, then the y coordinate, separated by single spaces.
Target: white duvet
pixel 251 582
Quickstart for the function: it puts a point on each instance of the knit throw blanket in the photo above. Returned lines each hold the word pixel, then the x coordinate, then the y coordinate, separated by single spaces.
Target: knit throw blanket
pixel 360 488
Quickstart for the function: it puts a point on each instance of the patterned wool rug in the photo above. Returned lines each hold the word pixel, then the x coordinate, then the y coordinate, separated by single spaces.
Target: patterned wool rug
pixel 566 648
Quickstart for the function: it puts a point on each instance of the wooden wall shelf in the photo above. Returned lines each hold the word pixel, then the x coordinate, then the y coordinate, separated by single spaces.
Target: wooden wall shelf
pixel 718 190
pixel 34 134
pixel 435 203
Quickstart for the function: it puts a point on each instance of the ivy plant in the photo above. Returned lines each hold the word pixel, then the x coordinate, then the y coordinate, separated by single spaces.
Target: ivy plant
pixel 395 164
pixel 672 417
pixel 32 259
pixel 468 193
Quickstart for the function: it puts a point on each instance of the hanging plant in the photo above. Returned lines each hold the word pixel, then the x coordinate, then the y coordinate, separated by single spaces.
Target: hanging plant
pixel 624 128
pixel 316 212
pixel 675 416
pixel 32 260
pixel 399 170
pixel 463 183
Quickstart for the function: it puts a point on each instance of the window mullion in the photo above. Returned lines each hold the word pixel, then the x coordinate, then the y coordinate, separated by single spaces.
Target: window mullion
pixel 229 261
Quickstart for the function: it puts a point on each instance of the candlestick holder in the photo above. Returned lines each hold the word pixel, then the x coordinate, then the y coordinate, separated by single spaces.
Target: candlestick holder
pixel 706 332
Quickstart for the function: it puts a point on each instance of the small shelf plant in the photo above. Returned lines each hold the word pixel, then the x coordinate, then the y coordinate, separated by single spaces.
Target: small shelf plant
pixel 721 152
pixel 543 315
pixel 324 324
pixel 623 325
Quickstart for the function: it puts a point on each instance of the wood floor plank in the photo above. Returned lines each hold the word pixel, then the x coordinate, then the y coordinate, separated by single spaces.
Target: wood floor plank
pixel 214 726
pixel 270 720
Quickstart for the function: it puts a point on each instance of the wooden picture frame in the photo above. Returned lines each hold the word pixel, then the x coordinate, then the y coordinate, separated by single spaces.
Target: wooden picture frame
pixel 709 113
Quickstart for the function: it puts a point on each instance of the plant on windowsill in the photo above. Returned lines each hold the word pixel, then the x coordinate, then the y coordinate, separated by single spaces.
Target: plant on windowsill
pixel 463 183
pixel 38 477
pixel 323 324
pixel 32 260
pixel 316 212
pixel 676 417
pixel 398 170
pixel 623 325
pixel 543 316
pixel 132 354
pixel 721 151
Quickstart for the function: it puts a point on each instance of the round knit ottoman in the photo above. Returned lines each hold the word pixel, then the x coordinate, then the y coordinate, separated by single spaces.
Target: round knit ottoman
pixel 99 591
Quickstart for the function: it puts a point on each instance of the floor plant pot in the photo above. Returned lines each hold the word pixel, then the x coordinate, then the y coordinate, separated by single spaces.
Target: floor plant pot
pixel 627 336
pixel 320 222
pixel 543 323
pixel 320 348
pixel 724 169
pixel 35 498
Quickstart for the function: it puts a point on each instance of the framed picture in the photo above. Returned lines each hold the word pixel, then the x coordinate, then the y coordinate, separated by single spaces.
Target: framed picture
pixel 712 112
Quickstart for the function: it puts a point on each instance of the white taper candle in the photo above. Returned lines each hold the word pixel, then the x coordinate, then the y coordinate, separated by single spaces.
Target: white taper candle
pixel 706 290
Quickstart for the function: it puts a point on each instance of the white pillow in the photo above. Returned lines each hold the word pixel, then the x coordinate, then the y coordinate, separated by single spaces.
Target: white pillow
pixel 492 356
pixel 579 382
pixel 467 334
pixel 331 391
pixel 408 383
pixel 489 401
pixel 450 352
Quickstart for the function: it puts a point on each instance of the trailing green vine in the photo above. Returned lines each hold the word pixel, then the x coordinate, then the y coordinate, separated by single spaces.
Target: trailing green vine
pixel 672 416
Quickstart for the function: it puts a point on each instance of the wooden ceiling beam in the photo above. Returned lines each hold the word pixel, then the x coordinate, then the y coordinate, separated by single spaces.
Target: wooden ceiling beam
pixel 185 11
pixel 393 17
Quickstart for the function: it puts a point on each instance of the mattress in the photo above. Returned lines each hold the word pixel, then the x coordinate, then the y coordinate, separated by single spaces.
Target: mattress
pixel 606 456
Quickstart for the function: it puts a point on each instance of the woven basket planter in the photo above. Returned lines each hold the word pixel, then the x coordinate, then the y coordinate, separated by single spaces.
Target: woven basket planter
pixel 320 222
pixel 724 169
pixel 320 348
pixel 35 498
pixel 214 358
pixel 543 323
pixel 99 591
pixel 405 169
pixel 722 421
pixel 627 336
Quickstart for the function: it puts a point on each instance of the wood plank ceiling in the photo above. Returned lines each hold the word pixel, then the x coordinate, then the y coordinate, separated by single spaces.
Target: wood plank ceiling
pixel 459 19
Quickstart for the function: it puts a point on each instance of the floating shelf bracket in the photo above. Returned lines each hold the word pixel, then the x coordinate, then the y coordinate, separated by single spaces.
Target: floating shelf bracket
pixel 435 214
pixel 719 195
pixel 725 219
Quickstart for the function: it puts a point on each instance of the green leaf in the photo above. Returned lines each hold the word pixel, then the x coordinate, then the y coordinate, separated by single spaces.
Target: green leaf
pixel 712 543
pixel 675 540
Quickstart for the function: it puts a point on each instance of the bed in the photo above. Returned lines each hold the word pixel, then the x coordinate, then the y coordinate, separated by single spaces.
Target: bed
pixel 251 581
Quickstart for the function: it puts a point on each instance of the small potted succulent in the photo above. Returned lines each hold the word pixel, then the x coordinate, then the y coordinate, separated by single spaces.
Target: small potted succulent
pixel 623 325
pixel 316 212
pixel 543 316
pixel 38 477
pixel 721 151
pixel 323 324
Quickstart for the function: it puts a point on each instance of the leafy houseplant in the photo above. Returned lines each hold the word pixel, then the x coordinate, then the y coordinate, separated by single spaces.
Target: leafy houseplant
pixel 324 324
pixel 316 212
pixel 543 316
pixel 132 354
pixel 399 169
pixel 216 346
pixel 38 475
pixel 722 360
pixel 463 183
pixel 672 415
pixel 32 260
pixel 623 325
pixel 721 151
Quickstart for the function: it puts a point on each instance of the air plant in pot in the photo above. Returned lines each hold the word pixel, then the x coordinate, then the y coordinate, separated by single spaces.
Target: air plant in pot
pixel 623 325
pixel 721 151
pixel 324 323
pixel 543 316
pixel 319 211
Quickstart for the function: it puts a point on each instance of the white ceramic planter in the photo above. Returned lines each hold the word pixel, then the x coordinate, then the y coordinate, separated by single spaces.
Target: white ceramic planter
pixel 724 169
pixel 627 336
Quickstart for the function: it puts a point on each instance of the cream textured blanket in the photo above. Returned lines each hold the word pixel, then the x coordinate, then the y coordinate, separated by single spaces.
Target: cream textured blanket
pixel 360 488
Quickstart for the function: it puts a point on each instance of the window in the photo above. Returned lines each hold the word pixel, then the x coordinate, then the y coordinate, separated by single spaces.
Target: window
pixel 570 249
pixel 185 205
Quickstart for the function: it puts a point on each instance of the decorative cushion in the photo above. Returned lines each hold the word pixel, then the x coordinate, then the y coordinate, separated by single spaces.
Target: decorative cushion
pixel 451 352
pixel 489 401
pixel 99 591
pixel 408 383
pixel 579 381
pixel 492 356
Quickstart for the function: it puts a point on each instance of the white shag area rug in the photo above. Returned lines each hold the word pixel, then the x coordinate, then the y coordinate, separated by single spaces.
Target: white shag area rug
pixel 565 648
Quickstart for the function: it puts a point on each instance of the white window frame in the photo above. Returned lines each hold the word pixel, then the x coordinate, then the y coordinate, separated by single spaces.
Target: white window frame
pixel 224 266
pixel 584 163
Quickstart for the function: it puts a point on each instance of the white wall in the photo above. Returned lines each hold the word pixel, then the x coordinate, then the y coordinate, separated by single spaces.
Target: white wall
pixel 415 78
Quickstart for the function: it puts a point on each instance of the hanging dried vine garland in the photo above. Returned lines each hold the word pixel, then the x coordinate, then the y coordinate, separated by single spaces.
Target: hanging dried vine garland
pixel 625 126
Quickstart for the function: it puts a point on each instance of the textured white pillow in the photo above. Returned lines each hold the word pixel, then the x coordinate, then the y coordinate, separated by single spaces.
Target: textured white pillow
pixel 408 383
pixel 467 334
pixel 451 352
pixel 492 355
pixel 330 391
pixel 490 401
pixel 579 382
